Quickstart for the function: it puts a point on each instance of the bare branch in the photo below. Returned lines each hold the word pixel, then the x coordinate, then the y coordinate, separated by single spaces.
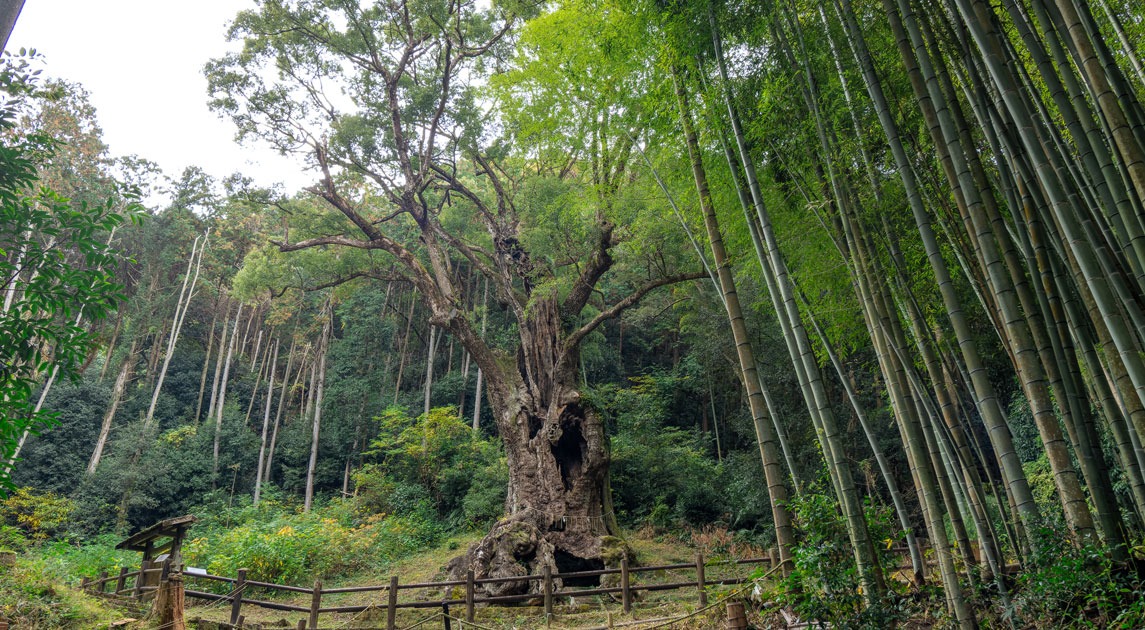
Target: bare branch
pixel 618 308
pixel 389 277
pixel 504 200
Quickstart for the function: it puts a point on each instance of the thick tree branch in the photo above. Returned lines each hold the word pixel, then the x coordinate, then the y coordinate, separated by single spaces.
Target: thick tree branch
pixel 505 205
pixel 598 263
pixel 453 183
pixel 328 240
pixel 343 205
pixel 446 76
pixel 474 255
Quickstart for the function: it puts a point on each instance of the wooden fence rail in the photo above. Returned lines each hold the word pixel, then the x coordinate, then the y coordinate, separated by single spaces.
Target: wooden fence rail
pixel 455 593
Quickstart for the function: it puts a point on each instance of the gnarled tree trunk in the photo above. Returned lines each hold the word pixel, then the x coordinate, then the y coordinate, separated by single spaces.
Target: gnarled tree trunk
pixel 558 458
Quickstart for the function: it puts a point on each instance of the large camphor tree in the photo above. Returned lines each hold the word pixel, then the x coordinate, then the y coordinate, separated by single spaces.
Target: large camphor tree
pixel 381 98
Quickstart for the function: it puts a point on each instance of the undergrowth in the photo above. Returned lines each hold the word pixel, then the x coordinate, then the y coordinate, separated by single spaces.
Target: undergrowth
pixel 33 597
pixel 279 543
pixel 1074 587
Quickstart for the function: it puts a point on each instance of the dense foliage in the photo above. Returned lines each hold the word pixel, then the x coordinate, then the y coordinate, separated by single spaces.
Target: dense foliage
pixel 919 315
pixel 56 259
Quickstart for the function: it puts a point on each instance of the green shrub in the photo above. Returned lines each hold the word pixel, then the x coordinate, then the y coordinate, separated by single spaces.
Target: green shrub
pixel 12 539
pixel 432 462
pixel 661 475
pixel 32 595
pixel 291 549
pixel 73 561
pixel 39 515
pixel 1068 586
pixel 279 544
pixel 825 585
pixel 484 502
pixel 1041 479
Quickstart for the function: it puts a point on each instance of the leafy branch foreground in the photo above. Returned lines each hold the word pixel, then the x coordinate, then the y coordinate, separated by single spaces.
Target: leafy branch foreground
pixel 57 262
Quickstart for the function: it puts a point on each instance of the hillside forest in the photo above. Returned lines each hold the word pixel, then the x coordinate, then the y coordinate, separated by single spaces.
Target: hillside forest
pixel 860 281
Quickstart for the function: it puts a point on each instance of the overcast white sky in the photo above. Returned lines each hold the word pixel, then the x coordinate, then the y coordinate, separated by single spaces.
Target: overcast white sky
pixel 142 61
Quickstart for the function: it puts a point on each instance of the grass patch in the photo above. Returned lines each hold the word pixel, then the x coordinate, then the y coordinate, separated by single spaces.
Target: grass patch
pixel 34 597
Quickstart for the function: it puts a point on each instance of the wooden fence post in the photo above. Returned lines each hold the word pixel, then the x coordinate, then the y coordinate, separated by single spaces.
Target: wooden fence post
pixel 301 624
pixel 625 592
pixel 548 590
pixel 168 606
pixel 237 596
pixel 102 581
pixel 470 589
pixel 700 579
pixel 315 604
pixel 137 592
pixel 121 580
pixel 83 583
pixel 392 604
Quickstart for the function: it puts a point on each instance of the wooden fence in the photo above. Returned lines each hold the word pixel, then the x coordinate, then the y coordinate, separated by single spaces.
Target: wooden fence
pixel 142 583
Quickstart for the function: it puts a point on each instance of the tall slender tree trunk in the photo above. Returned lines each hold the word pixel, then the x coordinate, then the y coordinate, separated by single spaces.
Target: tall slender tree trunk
pixel 116 396
pixel 429 358
pixel 218 366
pixel 219 408
pixel 263 368
pixel 880 459
pixel 986 398
pixel 767 443
pixel 323 349
pixel 480 376
pixel 799 345
pixel 207 359
pixel 404 346
pixel 119 317
pixel 944 132
pixel 1123 137
pixel 181 308
pixel 281 406
pixel 265 425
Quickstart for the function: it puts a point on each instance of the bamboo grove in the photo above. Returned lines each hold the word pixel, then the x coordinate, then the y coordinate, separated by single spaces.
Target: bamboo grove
pixel 918 228
pixel 961 158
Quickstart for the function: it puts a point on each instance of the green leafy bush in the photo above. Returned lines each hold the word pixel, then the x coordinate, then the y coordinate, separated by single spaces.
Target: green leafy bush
pixel 38 515
pixel 72 561
pixel 434 463
pixel 279 543
pixel 32 596
pixel 1078 584
pixel 825 585
pixel 289 549
pixel 484 501
pixel 661 475
pixel 12 539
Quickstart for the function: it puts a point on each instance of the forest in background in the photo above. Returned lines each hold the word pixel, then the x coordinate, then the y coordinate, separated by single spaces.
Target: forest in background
pixel 830 277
